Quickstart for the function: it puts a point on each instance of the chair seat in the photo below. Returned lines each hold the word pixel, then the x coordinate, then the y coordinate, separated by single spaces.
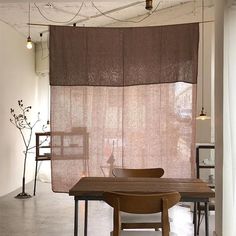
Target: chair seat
pixel 143 233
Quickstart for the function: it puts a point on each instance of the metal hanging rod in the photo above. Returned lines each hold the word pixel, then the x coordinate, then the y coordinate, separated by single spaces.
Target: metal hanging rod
pixel 44 25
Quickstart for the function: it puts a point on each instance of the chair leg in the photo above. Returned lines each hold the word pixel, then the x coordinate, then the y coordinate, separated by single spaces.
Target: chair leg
pixel 35 177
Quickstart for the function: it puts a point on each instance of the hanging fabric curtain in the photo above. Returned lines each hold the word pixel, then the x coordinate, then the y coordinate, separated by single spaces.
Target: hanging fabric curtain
pixel 122 97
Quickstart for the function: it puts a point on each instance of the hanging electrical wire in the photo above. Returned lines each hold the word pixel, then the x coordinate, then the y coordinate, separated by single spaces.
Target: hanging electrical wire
pixel 126 21
pixel 203 115
pixel 64 11
pixel 59 22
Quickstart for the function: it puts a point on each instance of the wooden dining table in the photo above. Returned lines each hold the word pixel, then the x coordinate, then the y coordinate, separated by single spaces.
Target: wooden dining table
pixel 92 188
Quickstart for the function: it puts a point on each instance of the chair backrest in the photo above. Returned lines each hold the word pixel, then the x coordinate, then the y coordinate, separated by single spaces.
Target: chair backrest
pixel 141 204
pixel 142 173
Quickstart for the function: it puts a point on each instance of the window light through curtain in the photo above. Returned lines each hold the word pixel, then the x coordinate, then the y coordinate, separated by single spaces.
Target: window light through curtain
pixel 122 97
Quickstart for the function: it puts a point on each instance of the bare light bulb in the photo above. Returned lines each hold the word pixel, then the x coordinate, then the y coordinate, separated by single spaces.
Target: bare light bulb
pixel 29 44
pixel 203 115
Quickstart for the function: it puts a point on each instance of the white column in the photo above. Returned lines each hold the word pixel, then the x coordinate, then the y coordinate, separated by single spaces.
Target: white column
pixel 219 33
pixel 229 160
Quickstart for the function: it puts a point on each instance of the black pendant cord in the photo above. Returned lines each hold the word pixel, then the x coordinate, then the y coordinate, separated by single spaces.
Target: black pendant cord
pixel 202 54
pixel 29 20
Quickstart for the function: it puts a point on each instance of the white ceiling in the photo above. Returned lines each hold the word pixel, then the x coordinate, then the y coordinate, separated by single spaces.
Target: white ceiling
pixel 84 13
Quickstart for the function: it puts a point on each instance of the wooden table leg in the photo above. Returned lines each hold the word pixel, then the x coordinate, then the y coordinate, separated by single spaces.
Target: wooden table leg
pixel 86 218
pixel 76 218
pixel 195 218
pixel 206 219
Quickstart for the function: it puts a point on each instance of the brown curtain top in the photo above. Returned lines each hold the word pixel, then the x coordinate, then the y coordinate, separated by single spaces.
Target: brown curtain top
pixel 81 56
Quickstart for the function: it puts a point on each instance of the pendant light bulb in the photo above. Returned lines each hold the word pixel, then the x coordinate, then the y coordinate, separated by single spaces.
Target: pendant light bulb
pixel 29 44
pixel 203 115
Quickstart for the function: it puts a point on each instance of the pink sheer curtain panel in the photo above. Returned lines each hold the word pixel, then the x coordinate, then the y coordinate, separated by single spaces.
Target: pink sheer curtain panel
pixel 122 98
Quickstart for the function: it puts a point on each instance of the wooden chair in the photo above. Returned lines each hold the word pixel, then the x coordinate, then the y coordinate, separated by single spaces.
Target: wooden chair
pixel 141 204
pixel 135 221
pixel 143 173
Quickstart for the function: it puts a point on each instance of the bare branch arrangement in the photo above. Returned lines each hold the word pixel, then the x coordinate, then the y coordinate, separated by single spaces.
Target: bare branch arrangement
pixel 25 127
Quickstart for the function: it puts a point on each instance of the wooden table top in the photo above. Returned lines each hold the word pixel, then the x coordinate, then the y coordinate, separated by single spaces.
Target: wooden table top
pixel 94 187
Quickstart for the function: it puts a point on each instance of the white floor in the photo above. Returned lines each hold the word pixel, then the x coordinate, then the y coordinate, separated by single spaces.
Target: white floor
pixel 52 214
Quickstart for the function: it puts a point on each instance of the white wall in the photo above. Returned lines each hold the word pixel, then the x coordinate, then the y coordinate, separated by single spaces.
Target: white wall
pixel 205 129
pixel 44 97
pixel 17 81
pixel 42 70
